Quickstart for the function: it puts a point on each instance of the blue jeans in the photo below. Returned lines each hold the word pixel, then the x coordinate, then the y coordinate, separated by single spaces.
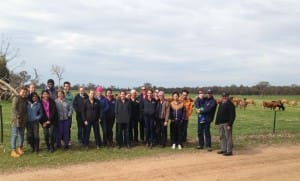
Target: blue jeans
pixel 149 125
pixel 17 132
pixel 204 132
pixel 63 132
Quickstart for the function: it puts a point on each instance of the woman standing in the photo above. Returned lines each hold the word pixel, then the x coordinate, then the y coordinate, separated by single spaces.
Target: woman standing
pixel 49 119
pixel 34 110
pixel 177 116
pixel 64 110
pixel 19 119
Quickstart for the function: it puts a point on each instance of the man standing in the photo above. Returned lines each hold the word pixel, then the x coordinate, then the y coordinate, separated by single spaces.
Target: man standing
pixel 201 118
pixel 224 120
pixel 69 98
pixel 188 104
pixel 209 111
pixel 163 113
pixel 51 89
pixel 110 116
pixel 104 108
pixel 78 103
pixel 135 115
pixel 141 99
pixel 123 113
pixel 91 116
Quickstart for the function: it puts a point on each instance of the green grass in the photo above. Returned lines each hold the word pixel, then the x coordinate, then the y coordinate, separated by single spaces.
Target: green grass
pixel 252 127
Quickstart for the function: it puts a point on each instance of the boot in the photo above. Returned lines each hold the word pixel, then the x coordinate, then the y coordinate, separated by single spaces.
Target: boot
pixel 14 154
pixel 20 151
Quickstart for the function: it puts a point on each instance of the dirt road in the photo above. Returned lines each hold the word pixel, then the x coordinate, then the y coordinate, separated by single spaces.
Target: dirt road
pixel 263 163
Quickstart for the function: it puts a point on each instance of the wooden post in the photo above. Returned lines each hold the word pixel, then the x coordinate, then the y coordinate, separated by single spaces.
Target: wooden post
pixel 274 123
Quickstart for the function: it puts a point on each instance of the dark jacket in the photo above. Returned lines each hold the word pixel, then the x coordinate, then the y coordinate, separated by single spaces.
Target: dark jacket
pixel 91 111
pixel 226 113
pixel 177 112
pixel 110 114
pixel 135 109
pixel 149 107
pixel 79 102
pixel 104 106
pixel 123 111
pixel 53 118
pixel 210 109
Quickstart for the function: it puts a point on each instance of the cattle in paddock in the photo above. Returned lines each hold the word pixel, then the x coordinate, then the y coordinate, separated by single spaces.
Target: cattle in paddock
pixel 284 101
pixel 293 103
pixel 243 104
pixel 219 100
pixel 251 101
pixel 236 101
pixel 273 105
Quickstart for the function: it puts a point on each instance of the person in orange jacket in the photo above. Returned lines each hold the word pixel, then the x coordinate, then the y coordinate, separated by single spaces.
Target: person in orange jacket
pixel 188 104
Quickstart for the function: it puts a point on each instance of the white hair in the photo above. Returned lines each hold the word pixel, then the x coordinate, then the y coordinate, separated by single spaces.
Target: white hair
pixel 132 91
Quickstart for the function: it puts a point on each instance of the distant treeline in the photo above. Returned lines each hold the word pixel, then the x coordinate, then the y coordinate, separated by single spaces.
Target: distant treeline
pixel 262 88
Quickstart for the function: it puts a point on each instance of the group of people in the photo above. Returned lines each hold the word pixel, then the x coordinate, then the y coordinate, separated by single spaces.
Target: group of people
pixel 142 118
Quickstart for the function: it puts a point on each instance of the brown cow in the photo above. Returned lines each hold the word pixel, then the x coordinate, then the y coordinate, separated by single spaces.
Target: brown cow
pixel 251 101
pixel 243 104
pixel 273 105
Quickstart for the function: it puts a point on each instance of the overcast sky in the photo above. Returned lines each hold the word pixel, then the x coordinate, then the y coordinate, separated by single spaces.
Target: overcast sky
pixel 165 42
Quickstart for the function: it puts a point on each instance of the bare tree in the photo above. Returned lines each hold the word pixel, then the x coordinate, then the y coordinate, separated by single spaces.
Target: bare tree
pixel 58 71
pixel 36 78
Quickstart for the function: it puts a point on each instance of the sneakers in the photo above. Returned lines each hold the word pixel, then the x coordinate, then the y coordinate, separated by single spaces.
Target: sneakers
pixel 14 154
pixel 173 146
pixel 20 151
pixel 179 147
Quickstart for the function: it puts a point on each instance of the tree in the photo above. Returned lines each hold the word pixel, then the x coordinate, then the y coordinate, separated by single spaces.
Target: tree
pixel 261 86
pixel 58 71
pixel 36 78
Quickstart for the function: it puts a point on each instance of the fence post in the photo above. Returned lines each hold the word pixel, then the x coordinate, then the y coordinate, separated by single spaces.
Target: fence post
pixel 274 123
pixel 1 125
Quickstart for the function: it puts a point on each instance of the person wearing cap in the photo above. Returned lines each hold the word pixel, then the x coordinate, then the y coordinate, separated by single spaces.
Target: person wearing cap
pixel 201 118
pixel 189 105
pixel 104 108
pixel 209 111
pixel 224 120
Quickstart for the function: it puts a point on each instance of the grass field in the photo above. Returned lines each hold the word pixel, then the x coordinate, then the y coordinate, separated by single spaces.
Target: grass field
pixel 252 127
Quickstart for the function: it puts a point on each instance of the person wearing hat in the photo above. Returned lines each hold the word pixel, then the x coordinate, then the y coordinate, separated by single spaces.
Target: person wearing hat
pixel 209 111
pixel 224 120
pixel 199 105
